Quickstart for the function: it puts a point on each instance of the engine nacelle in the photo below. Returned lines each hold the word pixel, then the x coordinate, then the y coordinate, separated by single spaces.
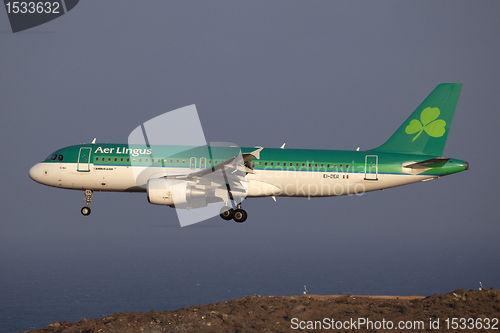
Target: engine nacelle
pixel 176 193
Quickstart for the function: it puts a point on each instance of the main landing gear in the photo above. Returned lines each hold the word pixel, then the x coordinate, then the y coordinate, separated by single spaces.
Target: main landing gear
pixel 238 214
pixel 88 199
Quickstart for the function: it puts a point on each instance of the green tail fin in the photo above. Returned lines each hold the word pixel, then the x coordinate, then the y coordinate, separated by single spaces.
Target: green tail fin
pixel 426 130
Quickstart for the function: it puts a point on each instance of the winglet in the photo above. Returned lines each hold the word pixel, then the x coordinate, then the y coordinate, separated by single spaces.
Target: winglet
pixel 255 154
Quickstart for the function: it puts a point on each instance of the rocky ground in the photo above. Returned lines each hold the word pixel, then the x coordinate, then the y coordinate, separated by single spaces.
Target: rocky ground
pixel 308 312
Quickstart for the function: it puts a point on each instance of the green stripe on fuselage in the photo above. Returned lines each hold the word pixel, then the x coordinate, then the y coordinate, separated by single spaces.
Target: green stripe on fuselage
pixel 338 161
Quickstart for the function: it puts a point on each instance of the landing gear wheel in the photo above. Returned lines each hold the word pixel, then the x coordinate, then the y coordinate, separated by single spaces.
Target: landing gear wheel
pixel 88 199
pixel 86 211
pixel 227 213
pixel 240 215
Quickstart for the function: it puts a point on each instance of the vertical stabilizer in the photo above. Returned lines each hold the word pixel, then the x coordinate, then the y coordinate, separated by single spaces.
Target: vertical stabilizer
pixel 426 130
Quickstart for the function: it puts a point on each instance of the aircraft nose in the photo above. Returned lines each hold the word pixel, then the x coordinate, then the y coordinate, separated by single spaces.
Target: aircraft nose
pixel 466 165
pixel 35 172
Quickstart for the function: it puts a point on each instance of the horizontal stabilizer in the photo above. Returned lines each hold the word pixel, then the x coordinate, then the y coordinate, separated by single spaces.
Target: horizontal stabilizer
pixel 427 164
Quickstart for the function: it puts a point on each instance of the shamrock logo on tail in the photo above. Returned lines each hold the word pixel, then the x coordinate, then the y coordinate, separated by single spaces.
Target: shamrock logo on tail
pixel 428 123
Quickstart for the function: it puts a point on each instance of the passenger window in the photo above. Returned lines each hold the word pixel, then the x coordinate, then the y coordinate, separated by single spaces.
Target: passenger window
pixel 315 165
pixel 296 164
pixel 265 163
pixel 334 166
pixel 177 161
pixel 128 159
pixel 109 159
pixel 121 159
pixel 328 165
pixel 322 165
pixel 97 159
pixel 102 159
pixel 347 166
pixel 272 163
pixel 116 159
pixel 278 164
pixel 303 164
pixel 140 160
pixel 146 160
pixel 340 166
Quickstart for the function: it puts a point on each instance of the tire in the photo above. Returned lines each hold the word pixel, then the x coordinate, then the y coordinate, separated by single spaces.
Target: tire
pixel 240 216
pixel 227 213
pixel 86 211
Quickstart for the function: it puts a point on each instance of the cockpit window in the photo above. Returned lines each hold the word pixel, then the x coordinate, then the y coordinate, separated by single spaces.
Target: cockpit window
pixel 60 157
pixel 53 157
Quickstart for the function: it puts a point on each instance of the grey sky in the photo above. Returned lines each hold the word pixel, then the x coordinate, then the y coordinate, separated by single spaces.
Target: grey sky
pixel 322 74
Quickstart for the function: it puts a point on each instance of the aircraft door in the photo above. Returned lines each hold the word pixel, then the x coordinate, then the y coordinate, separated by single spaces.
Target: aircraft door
pixel 84 159
pixel 192 163
pixel 371 167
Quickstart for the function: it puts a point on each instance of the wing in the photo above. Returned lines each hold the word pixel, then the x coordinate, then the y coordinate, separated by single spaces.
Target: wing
pixel 240 162
pixel 228 175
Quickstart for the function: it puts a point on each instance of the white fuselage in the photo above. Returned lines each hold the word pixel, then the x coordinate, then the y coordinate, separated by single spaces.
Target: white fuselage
pixel 302 183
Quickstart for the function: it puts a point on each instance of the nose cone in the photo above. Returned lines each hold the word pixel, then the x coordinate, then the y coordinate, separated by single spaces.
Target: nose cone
pixel 36 172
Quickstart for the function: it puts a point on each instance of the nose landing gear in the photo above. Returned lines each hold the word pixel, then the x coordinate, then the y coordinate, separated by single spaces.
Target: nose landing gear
pixel 88 199
pixel 86 211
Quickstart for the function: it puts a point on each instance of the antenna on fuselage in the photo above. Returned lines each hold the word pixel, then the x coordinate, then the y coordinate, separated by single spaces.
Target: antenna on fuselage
pixel 283 146
pixel 93 141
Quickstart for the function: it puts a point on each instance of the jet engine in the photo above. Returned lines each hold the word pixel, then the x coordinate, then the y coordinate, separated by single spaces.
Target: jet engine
pixel 176 193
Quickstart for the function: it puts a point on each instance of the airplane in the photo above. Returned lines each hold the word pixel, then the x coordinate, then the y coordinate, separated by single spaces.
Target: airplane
pixel 193 177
